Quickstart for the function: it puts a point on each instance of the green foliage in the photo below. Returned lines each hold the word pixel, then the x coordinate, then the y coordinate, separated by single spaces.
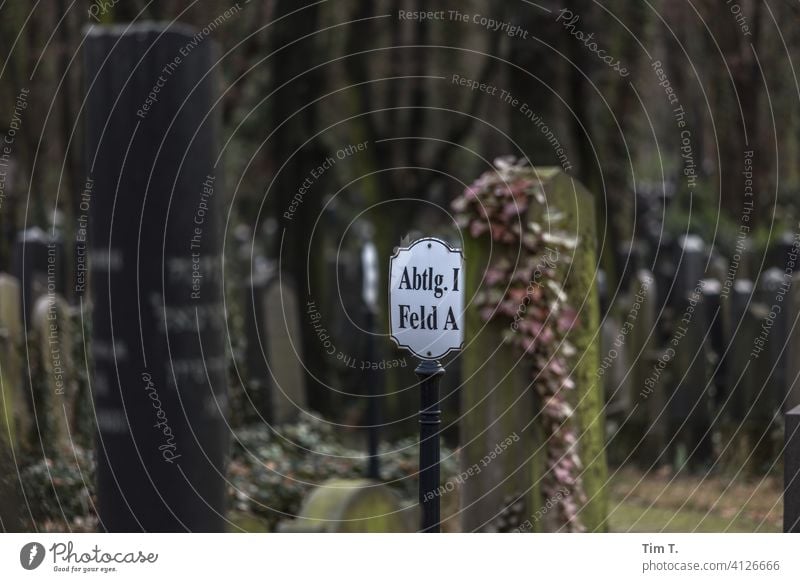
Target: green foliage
pixel 60 491
pixel 270 474
pixel 701 214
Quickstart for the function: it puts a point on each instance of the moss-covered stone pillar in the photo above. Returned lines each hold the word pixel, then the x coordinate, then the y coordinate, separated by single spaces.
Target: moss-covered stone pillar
pixel 566 195
pixel 496 403
pixel 497 399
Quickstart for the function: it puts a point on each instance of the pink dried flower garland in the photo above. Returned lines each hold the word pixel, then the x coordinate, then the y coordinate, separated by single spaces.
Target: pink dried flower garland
pixel 528 296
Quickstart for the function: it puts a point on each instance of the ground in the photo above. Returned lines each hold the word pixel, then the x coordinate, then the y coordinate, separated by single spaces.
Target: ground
pixel 664 502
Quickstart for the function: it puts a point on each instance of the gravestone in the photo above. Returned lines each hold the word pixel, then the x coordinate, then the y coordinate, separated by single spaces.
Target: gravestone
pixel 718 268
pixel 284 351
pixel 739 370
pixel 717 344
pixel 749 259
pixel 783 253
pixel 158 322
pixel 602 292
pixel 691 259
pixel 775 293
pixel 647 395
pixel 689 405
pixel 257 406
pixel 352 506
pixel 616 384
pixel 793 363
pixel 617 388
pixel 739 375
pixel 791 472
pixel 577 204
pixel 665 272
pixel 13 412
pixel 39 265
pixel 11 358
pixel 496 397
pixel 10 505
pixel 54 386
pixel 768 358
pixel 10 499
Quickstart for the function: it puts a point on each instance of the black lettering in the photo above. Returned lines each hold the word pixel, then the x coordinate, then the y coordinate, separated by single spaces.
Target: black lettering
pixel 450 320
pixel 404 280
pixel 404 309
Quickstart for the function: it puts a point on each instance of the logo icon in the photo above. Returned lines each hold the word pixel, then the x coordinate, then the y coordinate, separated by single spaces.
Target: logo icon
pixel 31 555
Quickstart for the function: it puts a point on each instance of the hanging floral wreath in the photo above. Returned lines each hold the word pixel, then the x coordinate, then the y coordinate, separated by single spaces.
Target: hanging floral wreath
pixel 526 296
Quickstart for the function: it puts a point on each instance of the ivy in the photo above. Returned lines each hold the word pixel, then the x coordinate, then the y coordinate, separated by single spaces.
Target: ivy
pixel 525 295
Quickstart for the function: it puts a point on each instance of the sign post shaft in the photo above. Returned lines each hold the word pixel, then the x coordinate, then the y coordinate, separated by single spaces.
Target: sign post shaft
pixel 429 373
pixel 373 420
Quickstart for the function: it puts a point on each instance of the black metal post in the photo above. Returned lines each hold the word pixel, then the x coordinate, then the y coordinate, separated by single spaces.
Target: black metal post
pixel 373 389
pixel 429 373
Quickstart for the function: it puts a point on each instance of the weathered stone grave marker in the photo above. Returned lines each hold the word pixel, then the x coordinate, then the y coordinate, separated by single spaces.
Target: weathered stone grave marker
pixel 351 506
pixel 497 399
pixel 54 392
pixel 258 381
pixel 284 351
pixel 11 361
pixel 158 327
pixel 14 418
pixel 691 258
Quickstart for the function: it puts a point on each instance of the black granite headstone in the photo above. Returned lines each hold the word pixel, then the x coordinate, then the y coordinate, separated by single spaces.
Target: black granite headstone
pixel 793 363
pixel 739 371
pixel 773 294
pixel 791 473
pixel 689 405
pixel 784 253
pixel 159 328
pixel 39 265
pixel 712 290
pixel 258 407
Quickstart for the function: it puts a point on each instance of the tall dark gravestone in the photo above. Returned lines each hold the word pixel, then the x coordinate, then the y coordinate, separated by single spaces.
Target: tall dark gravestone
pixel 39 265
pixel 258 378
pixel 689 405
pixel 791 472
pixel 739 371
pixel 159 330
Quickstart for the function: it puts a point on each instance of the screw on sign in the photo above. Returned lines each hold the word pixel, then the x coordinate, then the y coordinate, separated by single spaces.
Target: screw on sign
pixel 426 306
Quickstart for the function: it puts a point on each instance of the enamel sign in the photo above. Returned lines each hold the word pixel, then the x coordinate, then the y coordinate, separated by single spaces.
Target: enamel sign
pixel 426 298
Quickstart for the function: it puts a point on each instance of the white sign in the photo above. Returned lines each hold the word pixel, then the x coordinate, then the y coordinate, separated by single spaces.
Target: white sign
pixel 426 298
